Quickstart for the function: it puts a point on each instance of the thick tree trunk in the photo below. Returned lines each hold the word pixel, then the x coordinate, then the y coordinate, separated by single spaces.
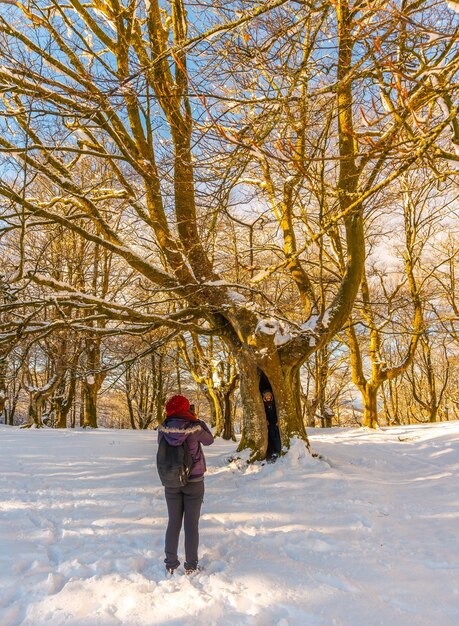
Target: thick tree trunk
pixel 433 412
pixel 64 402
pixel 3 412
pixel 128 391
pixel 216 410
pixel 213 412
pixel 90 405
pixel 285 385
pixel 254 428
pixel 35 411
pixel 61 416
pixel 370 407
pixel 228 423
pixel 3 388
pixel 431 380
pixel 321 378
pixel 82 402
pixel 93 382
pixel 9 415
pixel 73 415
pixel 131 411
pixel 309 412
pixel 157 405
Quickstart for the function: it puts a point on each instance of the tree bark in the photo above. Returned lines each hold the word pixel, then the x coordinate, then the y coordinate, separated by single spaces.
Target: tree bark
pixel 370 406
pixel 216 408
pixel 228 412
pixel 62 403
pixel 93 382
pixel 35 410
pixel 228 428
pixel 128 391
pixel 254 428
pixel 90 405
pixel 3 388
pixel 285 384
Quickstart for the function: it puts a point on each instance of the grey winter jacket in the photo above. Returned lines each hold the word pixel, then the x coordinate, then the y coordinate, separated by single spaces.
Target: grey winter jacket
pixel 176 429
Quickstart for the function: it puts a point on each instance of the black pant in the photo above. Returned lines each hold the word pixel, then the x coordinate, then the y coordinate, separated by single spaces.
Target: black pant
pixel 274 441
pixel 183 501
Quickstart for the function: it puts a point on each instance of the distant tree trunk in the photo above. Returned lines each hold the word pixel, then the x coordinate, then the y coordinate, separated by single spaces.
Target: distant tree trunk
pixel 90 405
pixel 12 410
pixel 3 388
pixel 228 428
pixel 179 375
pixel 433 416
pixel 63 401
pixel 309 404
pixel 321 377
pixel 35 410
pixel 370 406
pixel 82 401
pixel 131 412
pixel 9 393
pixel 159 398
pixel 435 396
pixel 228 402
pixel 215 407
pixel 311 408
pixel 73 415
pixel 92 383
pixel 432 384
pixel 61 417
pixel 39 396
pixel 128 393
pixel 391 403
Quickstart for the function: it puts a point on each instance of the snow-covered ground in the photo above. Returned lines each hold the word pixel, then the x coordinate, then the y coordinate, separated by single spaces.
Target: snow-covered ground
pixel 367 535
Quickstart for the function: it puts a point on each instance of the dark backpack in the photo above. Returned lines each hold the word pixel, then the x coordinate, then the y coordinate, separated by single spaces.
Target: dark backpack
pixel 174 463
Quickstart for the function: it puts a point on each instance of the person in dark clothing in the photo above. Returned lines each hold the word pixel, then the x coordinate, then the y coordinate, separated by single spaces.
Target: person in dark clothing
pixel 274 440
pixel 184 503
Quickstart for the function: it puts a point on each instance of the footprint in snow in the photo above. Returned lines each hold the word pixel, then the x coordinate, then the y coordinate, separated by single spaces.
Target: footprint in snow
pixel 55 583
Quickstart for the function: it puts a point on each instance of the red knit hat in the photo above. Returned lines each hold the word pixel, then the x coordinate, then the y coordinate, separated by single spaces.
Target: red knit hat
pixel 179 406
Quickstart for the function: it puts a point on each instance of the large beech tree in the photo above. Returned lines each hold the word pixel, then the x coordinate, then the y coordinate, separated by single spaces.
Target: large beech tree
pixel 144 89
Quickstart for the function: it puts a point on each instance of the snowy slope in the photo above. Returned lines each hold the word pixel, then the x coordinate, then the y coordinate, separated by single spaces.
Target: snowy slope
pixel 368 535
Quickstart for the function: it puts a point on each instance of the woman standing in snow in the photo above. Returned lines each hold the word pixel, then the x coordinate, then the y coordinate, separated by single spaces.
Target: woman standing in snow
pixel 180 425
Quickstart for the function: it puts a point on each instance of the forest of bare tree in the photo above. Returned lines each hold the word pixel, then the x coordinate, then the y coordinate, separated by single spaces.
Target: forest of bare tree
pixel 208 198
